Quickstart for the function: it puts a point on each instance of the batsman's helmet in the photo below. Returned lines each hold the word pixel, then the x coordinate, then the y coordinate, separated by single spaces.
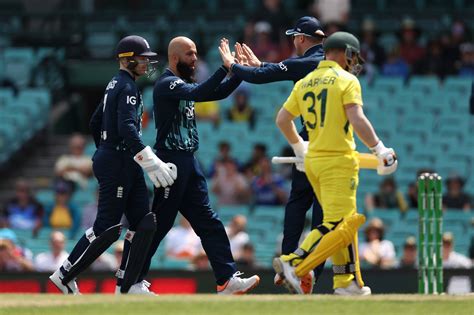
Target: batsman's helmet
pixel 347 42
pixel 132 46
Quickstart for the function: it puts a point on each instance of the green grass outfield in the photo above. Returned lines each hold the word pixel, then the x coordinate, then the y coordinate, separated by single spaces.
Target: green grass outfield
pixel 227 305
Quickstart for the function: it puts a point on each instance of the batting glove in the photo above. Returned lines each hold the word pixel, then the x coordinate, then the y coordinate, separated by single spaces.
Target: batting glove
pixel 387 158
pixel 161 174
pixel 300 148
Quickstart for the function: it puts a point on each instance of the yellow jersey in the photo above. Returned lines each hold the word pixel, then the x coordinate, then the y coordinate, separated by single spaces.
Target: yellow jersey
pixel 320 98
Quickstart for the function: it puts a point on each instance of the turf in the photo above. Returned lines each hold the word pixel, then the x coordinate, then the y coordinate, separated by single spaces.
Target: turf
pixel 251 304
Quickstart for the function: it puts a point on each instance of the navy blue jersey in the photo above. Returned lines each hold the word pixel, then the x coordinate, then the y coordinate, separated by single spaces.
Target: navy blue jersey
pixel 293 69
pixel 116 123
pixel 173 107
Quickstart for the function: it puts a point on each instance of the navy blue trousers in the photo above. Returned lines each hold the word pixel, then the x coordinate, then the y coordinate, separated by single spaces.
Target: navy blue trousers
pixel 300 201
pixel 189 196
pixel 122 190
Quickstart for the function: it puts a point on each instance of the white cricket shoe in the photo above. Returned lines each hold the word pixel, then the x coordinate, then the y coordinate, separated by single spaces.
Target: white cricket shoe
pixel 141 287
pixel 287 273
pixel 69 288
pixel 353 289
pixel 306 283
pixel 237 285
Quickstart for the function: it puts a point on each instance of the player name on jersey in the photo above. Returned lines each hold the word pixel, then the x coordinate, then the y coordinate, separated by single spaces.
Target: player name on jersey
pixel 327 80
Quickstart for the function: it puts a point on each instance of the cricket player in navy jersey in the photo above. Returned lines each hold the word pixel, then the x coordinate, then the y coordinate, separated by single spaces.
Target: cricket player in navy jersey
pixel 176 141
pixel 307 39
pixel 118 165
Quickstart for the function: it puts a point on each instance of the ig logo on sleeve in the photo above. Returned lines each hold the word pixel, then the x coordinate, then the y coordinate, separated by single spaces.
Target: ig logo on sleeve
pixel 131 100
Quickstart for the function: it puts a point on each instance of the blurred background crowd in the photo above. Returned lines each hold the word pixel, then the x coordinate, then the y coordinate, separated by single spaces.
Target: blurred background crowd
pixel 56 58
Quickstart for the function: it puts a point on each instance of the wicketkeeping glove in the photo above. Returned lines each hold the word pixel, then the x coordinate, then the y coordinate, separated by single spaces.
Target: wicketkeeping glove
pixel 161 174
pixel 300 148
pixel 387 158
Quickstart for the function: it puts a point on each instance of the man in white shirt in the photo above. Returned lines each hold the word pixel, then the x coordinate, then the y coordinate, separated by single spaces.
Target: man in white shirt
pixel 452 259
pixel 182 242
pixel 75 166
pixel 50 261
pixel 376 251
pixel 238 237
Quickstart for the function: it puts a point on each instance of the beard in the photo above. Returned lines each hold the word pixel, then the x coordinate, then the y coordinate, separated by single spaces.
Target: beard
pixel 185 71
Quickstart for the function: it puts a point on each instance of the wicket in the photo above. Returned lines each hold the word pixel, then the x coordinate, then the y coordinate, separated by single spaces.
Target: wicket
pixel 430 230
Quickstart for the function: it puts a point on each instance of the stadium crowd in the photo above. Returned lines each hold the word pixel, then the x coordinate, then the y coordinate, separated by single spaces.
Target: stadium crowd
pixel 406 52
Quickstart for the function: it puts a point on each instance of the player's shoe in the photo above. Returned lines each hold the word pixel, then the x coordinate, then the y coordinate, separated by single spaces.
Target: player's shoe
pixel 353 289
pixel 237 285
pixel 287 273
pixel 142 287
pixel 306 283
pixel 69 288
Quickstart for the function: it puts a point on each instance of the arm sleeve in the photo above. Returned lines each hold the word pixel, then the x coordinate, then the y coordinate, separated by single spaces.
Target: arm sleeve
pixel 270 72
pixel 95 124
pixel 204 91
pixel 291 104
pixel 352 94
pixel 127 116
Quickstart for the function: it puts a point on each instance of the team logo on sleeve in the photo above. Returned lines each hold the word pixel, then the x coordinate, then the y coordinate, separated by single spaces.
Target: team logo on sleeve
pixel 282 66
pixel 111 85
pixel 131 100
pixel 174 83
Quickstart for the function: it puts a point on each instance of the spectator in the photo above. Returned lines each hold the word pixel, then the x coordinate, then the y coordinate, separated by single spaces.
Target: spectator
pixel 23 211
pixel 395 66
pixel 452 259
pixel 224 156
pixel 332 11
pixel 207 111
pixel 63 214
pixel 265 48
pixel 269 189
pixel 471 250
pixel 273 13
pixel 75 166
pixel 109 262
pixel 200 262
pixel 52 260
pixel 11 259
pixel 409 258
pixel 241 111
pixel 433 63
pixel 466 67
pixel 252 167
pixel 387 197
pixel 247 259
pixel 410 51
pixel 371 51
pixel 376 251
pixel 238 237
pixel 182 242
pixel 229 185
pixel 412 195
pixel 455 198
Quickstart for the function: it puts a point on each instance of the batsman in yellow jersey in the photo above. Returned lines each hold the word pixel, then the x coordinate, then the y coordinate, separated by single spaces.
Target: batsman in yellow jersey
pixel 330 101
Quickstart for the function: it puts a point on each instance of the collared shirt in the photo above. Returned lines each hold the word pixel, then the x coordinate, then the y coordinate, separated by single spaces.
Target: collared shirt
pixel 173 107
pixel 320 98
pixel 116 122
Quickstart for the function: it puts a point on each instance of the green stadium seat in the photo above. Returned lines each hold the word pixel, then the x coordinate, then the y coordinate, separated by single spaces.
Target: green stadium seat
pixel 424 84
pixel 18 64
pixel 148 98
pixel 101 44
pixel 462 85
pixel 6 97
